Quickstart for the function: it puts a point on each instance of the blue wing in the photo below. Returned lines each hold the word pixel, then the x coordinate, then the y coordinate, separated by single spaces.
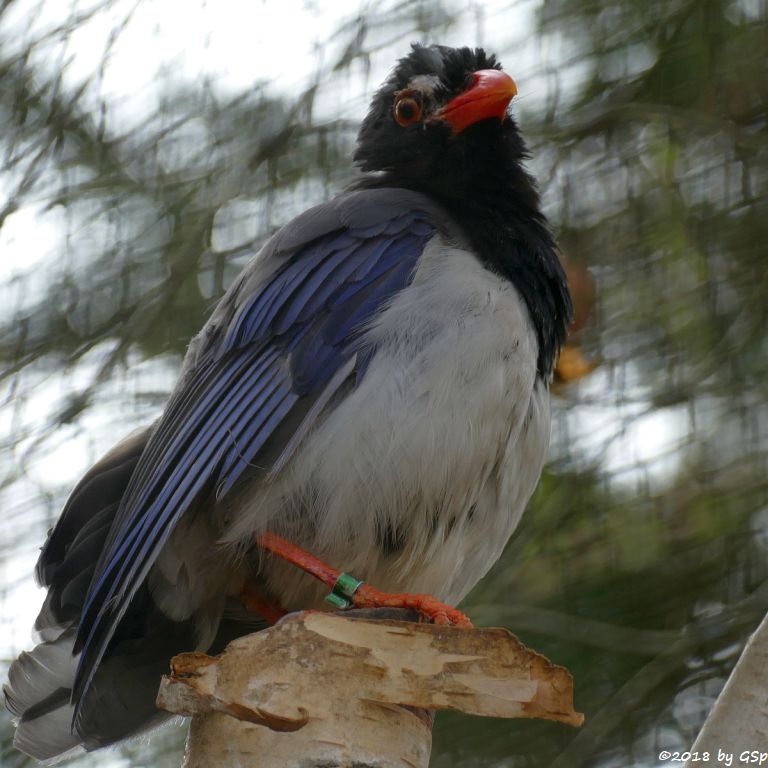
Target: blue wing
pixel 281 347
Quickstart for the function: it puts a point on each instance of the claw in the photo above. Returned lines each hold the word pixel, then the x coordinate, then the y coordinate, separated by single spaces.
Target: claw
pixel 439 613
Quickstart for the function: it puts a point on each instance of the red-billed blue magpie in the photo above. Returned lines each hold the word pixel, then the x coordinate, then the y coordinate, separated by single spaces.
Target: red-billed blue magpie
pixel 373 388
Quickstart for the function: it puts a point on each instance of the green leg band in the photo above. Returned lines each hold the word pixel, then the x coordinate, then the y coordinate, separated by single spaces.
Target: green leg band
pixel 343 591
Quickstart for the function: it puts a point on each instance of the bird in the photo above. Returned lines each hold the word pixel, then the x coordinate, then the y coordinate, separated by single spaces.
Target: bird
pixel 371 392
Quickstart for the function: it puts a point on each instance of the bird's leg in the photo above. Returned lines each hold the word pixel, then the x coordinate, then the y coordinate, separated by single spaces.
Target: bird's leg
pixel 367 596
pixel 347 591
pixel 255 602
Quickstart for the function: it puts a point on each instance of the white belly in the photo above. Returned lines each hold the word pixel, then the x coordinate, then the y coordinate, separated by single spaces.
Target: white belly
pixel 418 478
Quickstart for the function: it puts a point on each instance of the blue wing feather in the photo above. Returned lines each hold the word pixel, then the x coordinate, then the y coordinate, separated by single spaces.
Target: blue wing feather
pixel 362 305
pixel 332 270
pixel 252 436
pixel 201 443
pixel 284 343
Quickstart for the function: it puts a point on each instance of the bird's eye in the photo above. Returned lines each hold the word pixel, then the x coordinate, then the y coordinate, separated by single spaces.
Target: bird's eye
pixel 407 111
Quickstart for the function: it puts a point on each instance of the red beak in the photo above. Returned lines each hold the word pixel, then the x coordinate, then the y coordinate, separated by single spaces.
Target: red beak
pixel 488 96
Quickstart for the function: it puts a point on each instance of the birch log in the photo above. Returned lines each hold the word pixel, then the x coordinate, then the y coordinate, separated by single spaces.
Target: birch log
pixel 321 689
pixel 738 723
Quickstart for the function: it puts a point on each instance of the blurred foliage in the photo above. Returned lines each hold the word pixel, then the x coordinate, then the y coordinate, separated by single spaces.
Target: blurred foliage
pixel 642 563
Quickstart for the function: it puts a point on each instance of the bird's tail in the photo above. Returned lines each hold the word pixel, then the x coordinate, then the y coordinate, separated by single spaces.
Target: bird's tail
pixel 38 696
pixel 39 688
pixel 120 701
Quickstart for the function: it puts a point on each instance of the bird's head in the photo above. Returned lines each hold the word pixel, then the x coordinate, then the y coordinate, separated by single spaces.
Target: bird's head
pixel 440 125
pixel 441 108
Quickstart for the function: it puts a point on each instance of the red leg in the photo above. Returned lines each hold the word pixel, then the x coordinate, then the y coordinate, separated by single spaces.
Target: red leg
pixel 283 548
pixel 254 601
pixel 360 595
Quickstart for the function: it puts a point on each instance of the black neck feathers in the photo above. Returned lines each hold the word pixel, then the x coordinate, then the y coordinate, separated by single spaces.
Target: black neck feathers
pixel 483 185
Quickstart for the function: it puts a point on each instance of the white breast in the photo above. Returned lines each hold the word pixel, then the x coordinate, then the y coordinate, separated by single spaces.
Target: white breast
pixel 418 478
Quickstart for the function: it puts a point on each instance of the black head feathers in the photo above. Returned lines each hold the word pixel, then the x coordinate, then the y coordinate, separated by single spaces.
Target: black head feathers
pixel 431 76
pixel 440 125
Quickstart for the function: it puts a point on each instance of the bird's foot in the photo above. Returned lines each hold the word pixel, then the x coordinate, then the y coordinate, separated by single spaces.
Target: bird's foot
pixel 346 591
pixel 367 596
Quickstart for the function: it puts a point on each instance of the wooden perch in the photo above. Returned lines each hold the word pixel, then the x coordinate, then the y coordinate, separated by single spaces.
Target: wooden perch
pixel 738 723
pixel 321 689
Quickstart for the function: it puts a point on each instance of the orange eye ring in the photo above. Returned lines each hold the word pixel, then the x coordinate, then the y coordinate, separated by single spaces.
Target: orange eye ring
pixel 407 111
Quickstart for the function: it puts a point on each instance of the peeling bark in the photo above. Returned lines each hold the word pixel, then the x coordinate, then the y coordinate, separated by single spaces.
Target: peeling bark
pixel 322 689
